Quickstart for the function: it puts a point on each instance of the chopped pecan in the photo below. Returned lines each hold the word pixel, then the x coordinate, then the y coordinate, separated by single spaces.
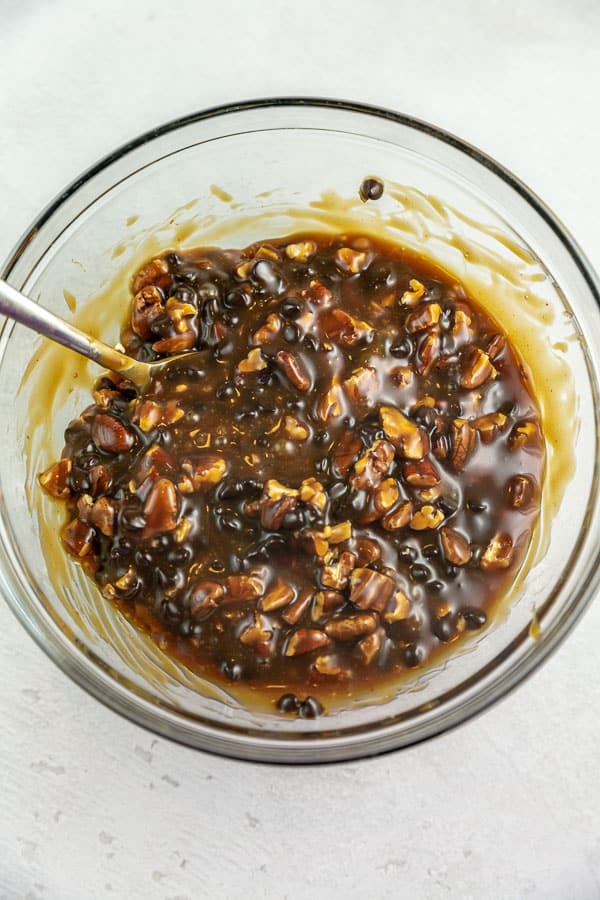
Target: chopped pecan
pixel 350 628
pixel 180 314
pixel 305 640
pixel 160 508
pixel 257 633
pixel 294 369
pixel 77 536
pixel 340 326
pixel 325 603
pixel 127 580
pixel 455 546
pixel 317 293
pixel 154 272
pixel 183 530
pixel 294 612
pixel 329 406
pixel 414 294
pixel 370 468
pixel 476 369
pixel 368 551
pixel 352 261
pixel 267 331
pixel 522 434
pixel 295 430
pixel 149 414
pixel 325 668
pixel 336 574
pixel 462 325
pixel 426 517
pixel 401 376
pixel 421 474
pixel 522 492
pixel 102 516
pixel 363 385
pixel 427 353
pixel 280 595
pixel 463 438
pixel 110 434
pixel 312 492
pixel 155 461
pixel 147 308
pixel 424 317
pixel 408 438
pixel 276 501
pixel 494 346
pixel 254 362
pixel 398 518
pixel 301 250
pixel 490 425
pixel 100 479
pixel 55 480
pixel 344 453
pixel 401 608
pixel 498 553
pixel 176 343
pixel 241 588
pixel 370 646
pixel 370 589
pixel 204 598
pixel 386 495
pixel 204 471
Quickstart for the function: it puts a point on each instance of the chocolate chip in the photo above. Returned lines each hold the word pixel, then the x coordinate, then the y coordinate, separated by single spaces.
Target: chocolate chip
pixel 371 189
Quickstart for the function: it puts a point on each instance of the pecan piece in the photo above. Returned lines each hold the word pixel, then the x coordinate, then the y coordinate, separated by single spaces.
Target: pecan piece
pixel 414 294
pixel 476 369
pixel 257 633
pixel 325 668
pixel 294 369
pixel 398 518
pixel 367 551
pixel 280 595
pixel 494 346
pixel 306 640
pixel 421 474
pixel 386 495
pixel 317 293
pixel 329 406
pixel 401 608
pixel 340 326
pixel 203 472
pixel 110 434
pixel 147 308
pixel 455 546
pixel 370 468
pixel 336 574
pixel 498 553
pixel 427 353
pixel 77 536
pixel 275 503
pixel 523 434
pixel 55 480
pixel 254 362
pixel 312 492
pixel 296 610
pixel 241 588
pixel 370 646
pixel 204 598
pixel 102 516
pixel 351 261
pixel 301 250
pixel 426 517
pixel 490 426
pixel 463 438
pixel 370 589
pixel 176 343
pixel 522 492
pixel 268 330
pixel 149 414
pixel 154 272
pixel 424 317
pixel 350 628
pixel 160 508
pixel 408 438
pixel 401 376
pixel 363 385
pixel 295 430
pixel 325 603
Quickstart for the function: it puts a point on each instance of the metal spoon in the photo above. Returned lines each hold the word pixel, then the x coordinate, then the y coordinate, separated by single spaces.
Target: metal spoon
pixel 17 306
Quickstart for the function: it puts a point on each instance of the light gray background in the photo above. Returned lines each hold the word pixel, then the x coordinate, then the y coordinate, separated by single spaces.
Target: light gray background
pixel 508 805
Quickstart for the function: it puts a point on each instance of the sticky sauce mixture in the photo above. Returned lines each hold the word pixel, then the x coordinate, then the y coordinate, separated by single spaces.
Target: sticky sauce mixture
pixel 339 481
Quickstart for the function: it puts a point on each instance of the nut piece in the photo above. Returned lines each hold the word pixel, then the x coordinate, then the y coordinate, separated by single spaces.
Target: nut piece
pixel 154 272
pixel 329 406
pixel 160 508
pixel 490 426
pixel 498 553
pixel 336 574
pixel 204 598
pixel 398 518
pixel 204 471
pixel 276 502
pixel 423 318
pixel 312 492
pixel 149 414
pixel 401 376
pixel 426 517
pixel 147 308
pixel 305 640
pixel 350 628
pixel 55 480
pixel 401 608
pixel 177 343
pixel 523 434
pixel 110 434
pixel 257 633
pixel 421 474
pixel 301 251
pixel 295 430
pixel 254 362
pixel 77 537
pixel 280 595
pixel 296 610
pixel 371 467
pixel 367 552
pixel 463 438
pixel 407 437
pixel 456 547
pixel 294 369
pixel 427 353
pixel 325 668
pixel 241 588
pixel 317 293
pixel 352 261
pixel 340 326
pixel 102 516
pixel 363 385
pixel 495 345
pixel 267 331
pixel 370 646
pixel 325 603
pixel 476 369
pixel 370 589
pixel 386 495
pixel 522 492
pixel 345 453
pixel 412 296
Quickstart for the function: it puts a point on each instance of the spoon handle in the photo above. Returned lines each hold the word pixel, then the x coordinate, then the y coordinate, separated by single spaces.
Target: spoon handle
pixel 17 306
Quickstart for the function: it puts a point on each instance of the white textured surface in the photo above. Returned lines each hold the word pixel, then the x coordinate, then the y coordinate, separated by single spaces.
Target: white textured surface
pixel 508 806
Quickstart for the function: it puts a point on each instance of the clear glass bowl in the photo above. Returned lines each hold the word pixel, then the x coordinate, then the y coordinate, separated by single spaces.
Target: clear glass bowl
pixel 233 175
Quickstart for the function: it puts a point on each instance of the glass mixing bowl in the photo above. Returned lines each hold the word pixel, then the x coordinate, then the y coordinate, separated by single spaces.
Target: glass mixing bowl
pixel 230 176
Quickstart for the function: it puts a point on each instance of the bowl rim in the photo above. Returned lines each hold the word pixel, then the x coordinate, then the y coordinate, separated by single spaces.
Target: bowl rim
pixel 247 747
